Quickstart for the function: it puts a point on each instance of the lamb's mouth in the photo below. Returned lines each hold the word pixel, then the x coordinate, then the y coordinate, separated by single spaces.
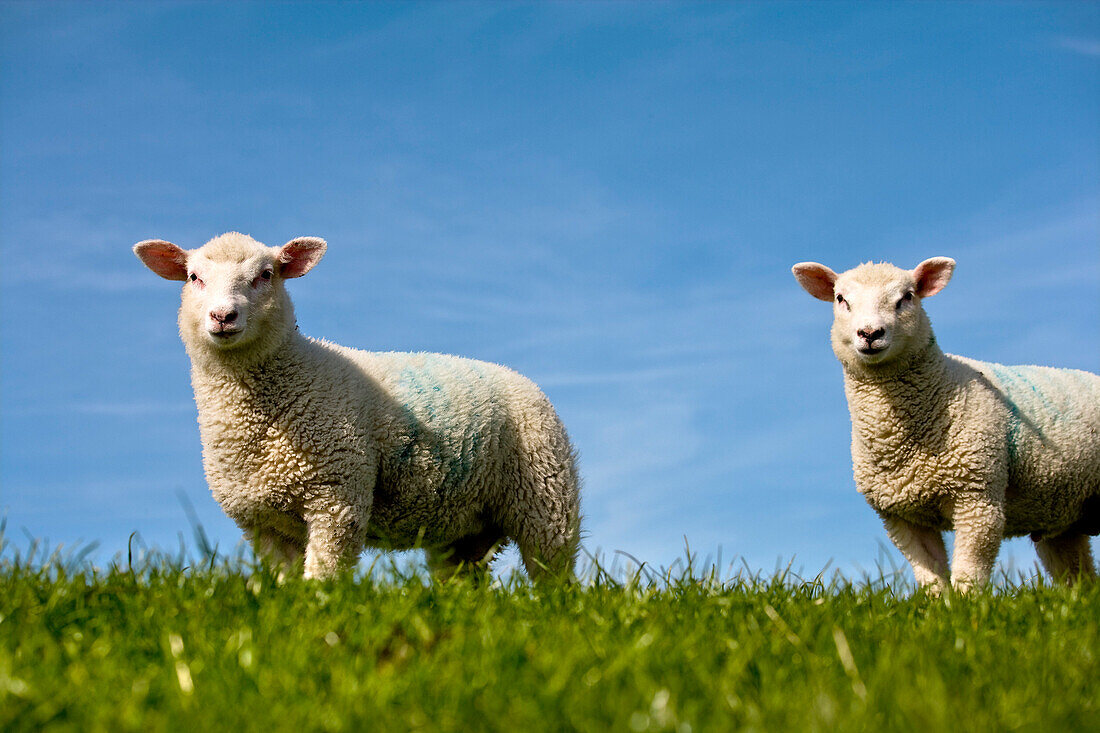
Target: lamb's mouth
pixel 224 335
pixel 871 350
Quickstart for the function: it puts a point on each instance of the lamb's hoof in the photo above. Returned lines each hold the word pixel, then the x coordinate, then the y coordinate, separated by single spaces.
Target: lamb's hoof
pixel 963 586
pixel 933 590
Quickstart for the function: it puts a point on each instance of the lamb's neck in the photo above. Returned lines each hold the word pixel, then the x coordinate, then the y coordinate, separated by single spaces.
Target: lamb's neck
pixel 222 378
pixel 907 400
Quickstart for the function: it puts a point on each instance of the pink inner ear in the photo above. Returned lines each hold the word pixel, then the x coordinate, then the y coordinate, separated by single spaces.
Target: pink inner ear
pixel 933 275
pixel 817 280
pixel 163 258
pixel 298 256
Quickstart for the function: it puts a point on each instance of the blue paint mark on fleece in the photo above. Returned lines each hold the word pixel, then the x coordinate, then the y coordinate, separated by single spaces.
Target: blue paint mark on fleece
pixel 1010 382
pixel 1023 386
pixel 428 405
pixel 1018 385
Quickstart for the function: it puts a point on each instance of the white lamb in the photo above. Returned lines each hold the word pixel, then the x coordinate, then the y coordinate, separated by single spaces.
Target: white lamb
pixel 317 449
pixel 941 442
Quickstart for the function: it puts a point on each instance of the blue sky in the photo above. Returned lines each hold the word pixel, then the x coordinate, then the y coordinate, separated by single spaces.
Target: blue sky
pixel 607 197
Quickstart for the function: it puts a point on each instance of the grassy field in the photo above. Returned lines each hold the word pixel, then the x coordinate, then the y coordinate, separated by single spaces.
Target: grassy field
pixel 220 645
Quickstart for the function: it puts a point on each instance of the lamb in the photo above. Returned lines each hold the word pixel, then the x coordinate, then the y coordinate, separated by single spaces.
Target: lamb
pixel 943 442
pixel 317 450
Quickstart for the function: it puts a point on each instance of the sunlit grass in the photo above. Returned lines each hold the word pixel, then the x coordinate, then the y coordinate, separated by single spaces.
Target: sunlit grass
pixel 158 642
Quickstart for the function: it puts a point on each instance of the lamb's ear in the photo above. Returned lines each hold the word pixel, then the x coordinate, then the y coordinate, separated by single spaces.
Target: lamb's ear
pixel 298 256
pixel 932 275
pixel 816 279
pixel 163 258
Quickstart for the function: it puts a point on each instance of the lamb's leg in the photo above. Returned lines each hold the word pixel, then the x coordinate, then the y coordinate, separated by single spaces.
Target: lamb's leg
pixel 924 549
pixel 335 540
pixel 276 548
pixel 469 556
pixel 543 518
pixel 1068 557
pixel 979 528
pixel 549 547
pixel 555 563
pixel 547 531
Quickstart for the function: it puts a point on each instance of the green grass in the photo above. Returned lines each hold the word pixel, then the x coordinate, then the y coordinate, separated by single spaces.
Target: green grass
pixel 223 646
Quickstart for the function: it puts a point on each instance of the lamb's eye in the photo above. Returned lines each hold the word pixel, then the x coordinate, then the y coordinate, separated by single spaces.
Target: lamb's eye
pixel 905 299
pixel 264 276
pixel 839 298
pixel 194 277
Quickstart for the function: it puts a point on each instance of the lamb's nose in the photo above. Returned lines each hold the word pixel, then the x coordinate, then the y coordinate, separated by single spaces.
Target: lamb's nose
pixel 224 316
pixel 868 335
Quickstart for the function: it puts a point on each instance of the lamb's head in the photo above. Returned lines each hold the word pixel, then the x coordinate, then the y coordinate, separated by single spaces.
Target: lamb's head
pixel 233 295
pixel 877 313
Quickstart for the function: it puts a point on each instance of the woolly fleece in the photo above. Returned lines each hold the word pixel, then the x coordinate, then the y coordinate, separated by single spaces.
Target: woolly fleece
pixel 320 450
pixel 942 442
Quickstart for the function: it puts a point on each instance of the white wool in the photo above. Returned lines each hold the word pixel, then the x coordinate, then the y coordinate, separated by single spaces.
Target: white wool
pixel 317 451
pixel 941 442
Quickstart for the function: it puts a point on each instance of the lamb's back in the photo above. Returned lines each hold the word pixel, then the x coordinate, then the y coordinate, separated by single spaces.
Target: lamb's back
pixel 447 434
pixel 1052 439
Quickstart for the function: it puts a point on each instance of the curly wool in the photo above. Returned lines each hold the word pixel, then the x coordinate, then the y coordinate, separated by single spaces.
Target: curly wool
pixel 942 442
pixel 986 450
pixel 318 449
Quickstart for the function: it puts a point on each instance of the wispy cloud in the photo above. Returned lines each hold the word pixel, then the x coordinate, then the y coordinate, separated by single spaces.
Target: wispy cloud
pixel 1083 46
pixel 103 409
pixel 616 377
